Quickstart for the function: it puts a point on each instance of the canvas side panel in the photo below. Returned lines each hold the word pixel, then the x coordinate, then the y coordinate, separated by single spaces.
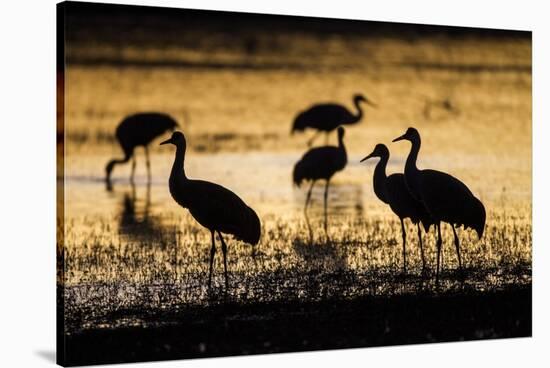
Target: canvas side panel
pixel 60 202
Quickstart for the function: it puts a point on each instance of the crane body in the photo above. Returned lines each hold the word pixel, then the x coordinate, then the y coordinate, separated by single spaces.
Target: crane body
pixel 321 163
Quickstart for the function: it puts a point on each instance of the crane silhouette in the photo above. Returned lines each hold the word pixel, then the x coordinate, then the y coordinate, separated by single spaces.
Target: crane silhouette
pixel 327 117
pixel 138 130
pixel 211 205
pixel 445 197
pixel 321 163
pixel 393 191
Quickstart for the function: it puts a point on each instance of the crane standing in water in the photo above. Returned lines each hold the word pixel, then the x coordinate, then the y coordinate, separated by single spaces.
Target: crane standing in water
pixel 138 130
pixel 445 197
pixel 321 163
pixel 393 191
pixel 327 117
pixel 211 205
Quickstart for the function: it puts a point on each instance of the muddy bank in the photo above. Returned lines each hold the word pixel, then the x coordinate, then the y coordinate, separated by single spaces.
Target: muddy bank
pixel 235 329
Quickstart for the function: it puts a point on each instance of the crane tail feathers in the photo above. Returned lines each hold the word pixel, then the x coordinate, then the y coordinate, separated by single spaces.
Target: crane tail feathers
pixel 253 227
pixel 481 215
pixel 476 217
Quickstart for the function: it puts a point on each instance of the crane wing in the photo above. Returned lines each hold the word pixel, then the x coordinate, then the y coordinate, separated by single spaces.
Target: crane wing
pixel 218 208
pixel 321 162
pixel 401 200
pixel 445 196
pixel 328 114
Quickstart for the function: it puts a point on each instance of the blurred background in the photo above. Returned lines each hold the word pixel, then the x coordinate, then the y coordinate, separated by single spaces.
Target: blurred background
pixel 235 82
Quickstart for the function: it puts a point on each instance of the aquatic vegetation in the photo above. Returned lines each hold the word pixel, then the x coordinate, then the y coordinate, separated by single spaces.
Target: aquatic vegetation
pixel 107 272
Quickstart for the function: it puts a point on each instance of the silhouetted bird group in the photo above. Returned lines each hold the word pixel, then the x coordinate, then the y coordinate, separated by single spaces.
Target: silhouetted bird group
pixel 445 197
pixel 426 197
pixel 393 191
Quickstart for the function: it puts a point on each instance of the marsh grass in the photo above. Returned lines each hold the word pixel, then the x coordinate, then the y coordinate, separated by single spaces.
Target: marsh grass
pixel 111 279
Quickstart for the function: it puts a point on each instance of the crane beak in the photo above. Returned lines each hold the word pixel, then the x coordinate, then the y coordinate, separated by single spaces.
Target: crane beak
pixel 166 141
pixel 366 158
pixel 371 103
pixel 400 138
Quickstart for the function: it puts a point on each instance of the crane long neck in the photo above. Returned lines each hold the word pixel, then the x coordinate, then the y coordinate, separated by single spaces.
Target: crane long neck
pixel 359 115
pixel 123 160
pixel 379 179
pixel 111 164
pixel 341 145
pixel 178 169
pixel 410 165
pixel 116 161
pixel 412 174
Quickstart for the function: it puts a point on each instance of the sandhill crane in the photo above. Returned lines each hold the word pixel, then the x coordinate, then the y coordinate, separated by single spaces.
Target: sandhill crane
pixel 321 163
pixel 139 130
pixel 445 197
pixel 393 191
pixel 216 208
pixel 327 117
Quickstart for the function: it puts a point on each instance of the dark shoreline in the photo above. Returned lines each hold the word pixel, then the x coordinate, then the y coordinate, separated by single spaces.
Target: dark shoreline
pixel 234 329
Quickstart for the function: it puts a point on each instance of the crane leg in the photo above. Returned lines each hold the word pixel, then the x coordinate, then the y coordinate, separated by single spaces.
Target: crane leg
pixel 212 253
pixel 404 235
pixel 148 162
pixel 326 196
pixel 133 169
pixel 176 261
pixel 224 251
pixel 457 245
pixel 147 199
pixel 421 247
pixel 308 198
pixel 439 241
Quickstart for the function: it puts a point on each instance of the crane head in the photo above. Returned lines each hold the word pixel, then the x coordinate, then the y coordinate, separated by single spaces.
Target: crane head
pixel 379 151
pixel 361 98
pixel 177 139
pixel 410 135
